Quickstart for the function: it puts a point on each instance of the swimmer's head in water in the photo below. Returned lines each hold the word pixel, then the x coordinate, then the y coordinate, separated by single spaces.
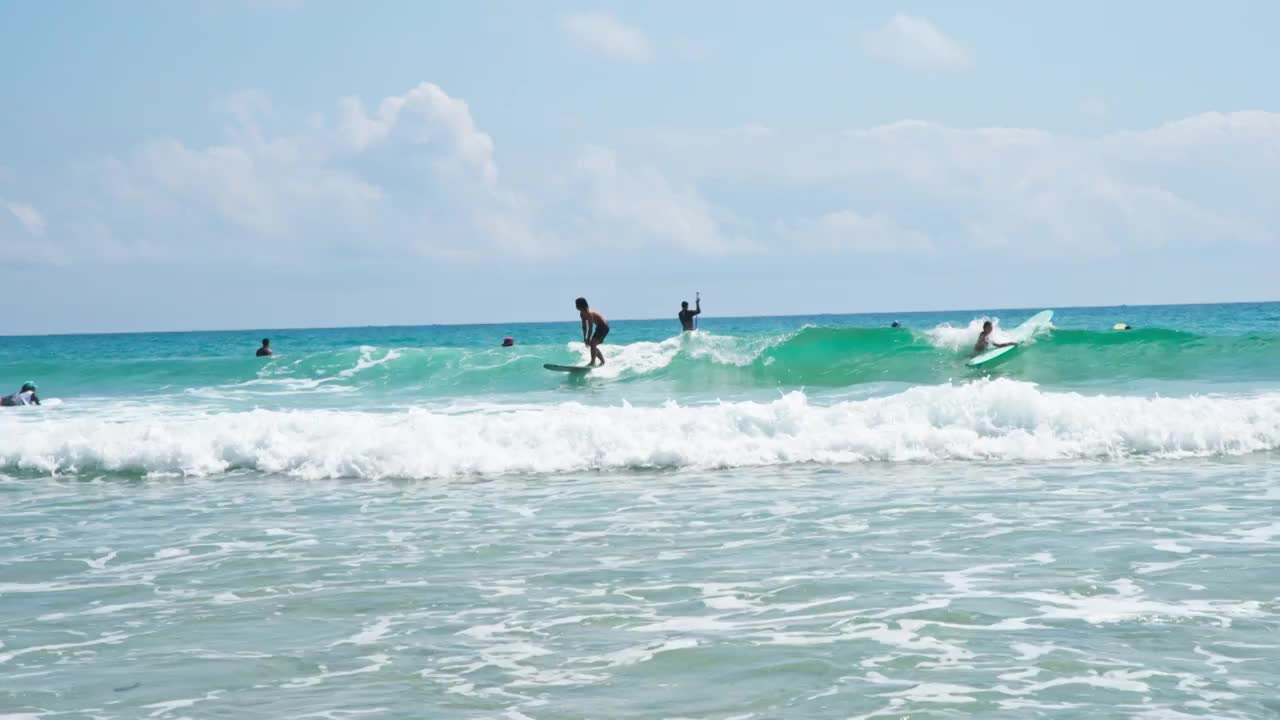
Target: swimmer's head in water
pixel 895 323
pixel 266 342
pixel 581 303
pixel 28 386
pixel 508 342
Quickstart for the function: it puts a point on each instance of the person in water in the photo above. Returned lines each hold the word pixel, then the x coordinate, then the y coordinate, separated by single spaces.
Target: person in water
pixel 985 342
pixel 265 350
pixel 508 341
pixel 895 324
pixel 25 396
pixel 594 329
pixel 686 315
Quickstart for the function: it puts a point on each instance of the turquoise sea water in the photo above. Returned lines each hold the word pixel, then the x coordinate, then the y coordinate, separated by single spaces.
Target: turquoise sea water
pixel 802 517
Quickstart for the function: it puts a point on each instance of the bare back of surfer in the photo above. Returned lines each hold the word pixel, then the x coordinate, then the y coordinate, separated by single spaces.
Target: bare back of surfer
pixel 985 342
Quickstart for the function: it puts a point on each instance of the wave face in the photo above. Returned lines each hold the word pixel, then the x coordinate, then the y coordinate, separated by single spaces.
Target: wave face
pixel 808 357
pixel 988 420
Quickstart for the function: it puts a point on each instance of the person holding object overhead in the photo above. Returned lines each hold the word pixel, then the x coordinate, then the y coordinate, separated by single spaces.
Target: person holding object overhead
pixel 592 337
pixel 687 315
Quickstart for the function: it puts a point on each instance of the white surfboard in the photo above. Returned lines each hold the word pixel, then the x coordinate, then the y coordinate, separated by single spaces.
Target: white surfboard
pixel 1031 325
pixel 988 356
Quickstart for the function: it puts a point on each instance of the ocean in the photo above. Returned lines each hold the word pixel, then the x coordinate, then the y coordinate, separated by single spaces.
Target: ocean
pixel 777 517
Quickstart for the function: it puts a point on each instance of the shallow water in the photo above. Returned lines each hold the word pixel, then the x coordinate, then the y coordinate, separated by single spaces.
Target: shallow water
pixel 297 543
pixel 987 590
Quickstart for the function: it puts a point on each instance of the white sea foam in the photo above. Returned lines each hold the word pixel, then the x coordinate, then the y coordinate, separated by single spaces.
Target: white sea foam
pixel 368 635
pixel 949 337
pixel 641 358
pixel 998 420
pixel 367 360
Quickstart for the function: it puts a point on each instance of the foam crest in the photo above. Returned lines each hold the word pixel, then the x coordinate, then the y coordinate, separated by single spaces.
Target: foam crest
pixel 957 339
pixel 367 360
pixel 1000 420
pixel 642 358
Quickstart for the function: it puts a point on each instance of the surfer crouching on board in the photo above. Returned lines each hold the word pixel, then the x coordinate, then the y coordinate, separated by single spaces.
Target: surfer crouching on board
pixel 593 338
pixel 985 342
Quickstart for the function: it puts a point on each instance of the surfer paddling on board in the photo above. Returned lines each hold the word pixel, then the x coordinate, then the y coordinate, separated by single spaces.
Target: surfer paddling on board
pixel 686 315
pixel 25 396
pixel 592 337
pixel 985 342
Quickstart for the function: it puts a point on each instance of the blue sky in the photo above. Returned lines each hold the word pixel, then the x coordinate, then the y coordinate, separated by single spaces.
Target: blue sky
pixel 269 163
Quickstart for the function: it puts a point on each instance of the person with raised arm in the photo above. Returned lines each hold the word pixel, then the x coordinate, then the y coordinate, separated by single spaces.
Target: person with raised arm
pixel 686 315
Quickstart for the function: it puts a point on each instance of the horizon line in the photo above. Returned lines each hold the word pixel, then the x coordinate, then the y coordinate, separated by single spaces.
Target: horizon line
pixel 647 319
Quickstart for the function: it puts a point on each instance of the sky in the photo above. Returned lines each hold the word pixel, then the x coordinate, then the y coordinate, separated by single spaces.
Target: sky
pixel 206 164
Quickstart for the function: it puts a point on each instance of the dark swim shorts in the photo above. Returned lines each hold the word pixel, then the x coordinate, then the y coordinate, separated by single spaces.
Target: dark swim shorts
pixel 600 334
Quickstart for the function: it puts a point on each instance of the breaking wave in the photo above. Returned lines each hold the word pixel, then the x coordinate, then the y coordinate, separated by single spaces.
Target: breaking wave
pixel 986 420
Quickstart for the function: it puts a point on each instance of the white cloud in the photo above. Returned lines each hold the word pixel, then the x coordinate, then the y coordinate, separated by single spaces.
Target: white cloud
pixel 915 42
pixel 414 175
pixel 1094 108
pixel 273 189
pixel 32 220
pixel 425 115
pixel 1245 130
pixel 608 37
pixel 1197 182
pixel 23 235
pixel 642 206
pixel 321 186
pixel 410 175
pixel 853 232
